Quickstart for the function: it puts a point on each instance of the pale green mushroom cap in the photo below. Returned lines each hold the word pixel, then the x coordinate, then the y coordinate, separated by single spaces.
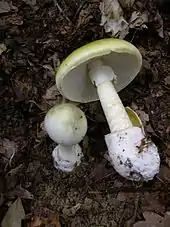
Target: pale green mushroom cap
pixel 72 77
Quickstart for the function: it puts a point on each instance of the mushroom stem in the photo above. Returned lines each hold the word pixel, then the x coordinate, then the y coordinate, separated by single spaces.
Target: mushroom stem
pixel 131 153
pixel 113 108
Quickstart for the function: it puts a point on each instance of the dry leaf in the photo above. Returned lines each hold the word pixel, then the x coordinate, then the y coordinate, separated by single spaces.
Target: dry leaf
pixel 14 215
pixel 112 18
pixel 19 192
pixel 153 220
pixel 51 220
pixel 4 7
pixel 151 202
pixel 143 116
pixel 30 2
pixel 51 93
pixel 159 25
pixel 2 48
pixel 127 3
pixel 167 80
pixel 52 97
pixel 1 199
pixel 115 20
pixel 8 149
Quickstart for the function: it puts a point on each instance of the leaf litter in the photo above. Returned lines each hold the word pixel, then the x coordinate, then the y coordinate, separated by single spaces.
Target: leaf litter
pixel 52 220
pixel 115 21
pixel 14 215
pixel 153 220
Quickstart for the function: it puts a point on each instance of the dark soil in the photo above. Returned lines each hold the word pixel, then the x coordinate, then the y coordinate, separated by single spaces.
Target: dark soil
pixel 94 194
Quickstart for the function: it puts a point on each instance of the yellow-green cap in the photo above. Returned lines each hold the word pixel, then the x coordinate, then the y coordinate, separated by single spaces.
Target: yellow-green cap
pixel 72 78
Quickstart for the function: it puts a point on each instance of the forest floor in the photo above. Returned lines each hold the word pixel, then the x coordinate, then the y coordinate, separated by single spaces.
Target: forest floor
pixel 36 36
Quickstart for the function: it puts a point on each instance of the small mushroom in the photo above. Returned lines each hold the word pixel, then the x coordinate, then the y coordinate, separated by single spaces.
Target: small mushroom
pixel 97 71
pixel 66 124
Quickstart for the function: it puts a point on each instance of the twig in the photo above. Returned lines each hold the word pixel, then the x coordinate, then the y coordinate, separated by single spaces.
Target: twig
pixel 61 11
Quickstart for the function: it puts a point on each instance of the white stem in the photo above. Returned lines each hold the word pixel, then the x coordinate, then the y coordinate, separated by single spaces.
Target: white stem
pixel 113 108
pixel 67 152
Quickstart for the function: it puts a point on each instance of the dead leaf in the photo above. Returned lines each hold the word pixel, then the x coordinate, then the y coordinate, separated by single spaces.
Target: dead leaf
pixel 115 20
pixel 167 80
pixel 51 220
pixel 30 2
pixel 22 85
pixel 4 7
pixel 153 220
pixel 143 116
pixel 112 18
pixel 15 19
pixel 51 98
pixel 14 215
pixel 51 93
pixel 138 20
pixel 20 192
pixel 71 211
pixel 159 25
pixel 8 149
pixel 164 173
pixel 151 202
pixel 2 48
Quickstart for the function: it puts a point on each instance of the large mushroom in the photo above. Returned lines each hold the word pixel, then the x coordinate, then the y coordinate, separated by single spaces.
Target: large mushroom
pixel 97 71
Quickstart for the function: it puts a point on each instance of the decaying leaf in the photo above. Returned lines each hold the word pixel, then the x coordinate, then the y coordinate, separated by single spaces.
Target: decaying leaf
pixel 14 215
pixel 115 20
pixel 8 149
pixel 51 220
pixel 51 98
pixel 112 18
pixel 153 220
pixel 20 192
pixel 4 7
pixel 143 116
pixel 2 48
pixel 151 202
pixel 51 94
pixel 167 80
pixel 30 2
pixel 126 3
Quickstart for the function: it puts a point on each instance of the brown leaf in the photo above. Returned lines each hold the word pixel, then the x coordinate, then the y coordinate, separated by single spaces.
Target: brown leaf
pixel 52 97
pixel 167 80
pixel 8 149
pixel 2 48
pixel 52 220
pixel 14 215
pixel 19 192
pixel 153 220
pixel 4 7
pixel 151 202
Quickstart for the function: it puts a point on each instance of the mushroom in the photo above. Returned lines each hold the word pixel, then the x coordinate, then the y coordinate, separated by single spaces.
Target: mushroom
pixel 66 124
pixel 97 71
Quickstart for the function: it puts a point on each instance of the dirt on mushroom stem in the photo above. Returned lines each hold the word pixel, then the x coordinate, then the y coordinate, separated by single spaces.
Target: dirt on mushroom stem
pixel 93 194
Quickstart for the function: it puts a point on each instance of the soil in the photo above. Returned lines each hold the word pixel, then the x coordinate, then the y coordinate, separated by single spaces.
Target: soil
pixel 37 37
